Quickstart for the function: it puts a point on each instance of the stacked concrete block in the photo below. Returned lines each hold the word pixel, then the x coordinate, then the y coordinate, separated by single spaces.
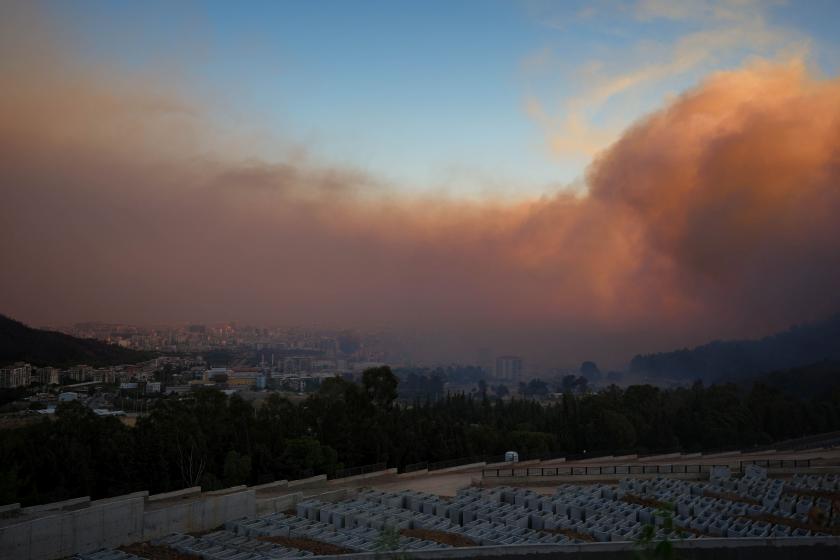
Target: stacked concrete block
pixel 536 519
pixel 516 516
pixel 760 529
pixel 225 545
pixel 738 528
pixel 106 554
pixel 720 474
pixel 719 526
pixel 804 505
pixel 755 472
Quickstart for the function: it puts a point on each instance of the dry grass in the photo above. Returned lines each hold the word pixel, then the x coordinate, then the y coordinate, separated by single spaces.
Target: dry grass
pixel 832 495
pixel 155 552
pixel 692 531
pixel 572 534
pixel 452 539
pixel 647 502
pixel 779 520
pixel 732 497
pixel 313 546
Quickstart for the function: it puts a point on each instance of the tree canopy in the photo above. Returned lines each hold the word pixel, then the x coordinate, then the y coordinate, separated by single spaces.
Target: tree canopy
pixel 213 440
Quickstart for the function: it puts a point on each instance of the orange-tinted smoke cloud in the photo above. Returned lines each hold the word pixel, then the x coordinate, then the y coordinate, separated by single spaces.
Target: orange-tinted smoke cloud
pixel 717 215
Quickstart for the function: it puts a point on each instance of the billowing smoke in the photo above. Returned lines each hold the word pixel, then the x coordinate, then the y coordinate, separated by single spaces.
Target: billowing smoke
pixel 715 216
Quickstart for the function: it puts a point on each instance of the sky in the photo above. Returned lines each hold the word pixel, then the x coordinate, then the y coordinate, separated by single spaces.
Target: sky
pixel 561 180
pixel 520 85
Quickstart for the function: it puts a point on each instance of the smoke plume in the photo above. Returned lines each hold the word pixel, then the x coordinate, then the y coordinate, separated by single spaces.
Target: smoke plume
pixel 714 216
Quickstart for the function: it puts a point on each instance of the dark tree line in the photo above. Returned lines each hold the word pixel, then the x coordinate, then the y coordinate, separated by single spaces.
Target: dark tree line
pixel 734 359
pixel 213 440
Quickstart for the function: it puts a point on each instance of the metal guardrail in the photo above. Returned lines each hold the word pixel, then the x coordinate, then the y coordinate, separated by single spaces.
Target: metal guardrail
pixel 454 463
pixel 415 467
pixel 354 471
pixel 631 469
pixel 438 465
pixel 776 463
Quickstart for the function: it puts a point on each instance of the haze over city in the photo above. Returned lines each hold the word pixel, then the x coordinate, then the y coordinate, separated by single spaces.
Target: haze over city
pixel 563 181
pixel 438 279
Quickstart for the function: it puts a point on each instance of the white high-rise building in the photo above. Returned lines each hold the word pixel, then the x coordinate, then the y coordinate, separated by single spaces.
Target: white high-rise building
pixel 508 368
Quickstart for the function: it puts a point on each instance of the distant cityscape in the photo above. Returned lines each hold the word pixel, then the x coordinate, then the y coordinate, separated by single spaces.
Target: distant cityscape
pixel 255 361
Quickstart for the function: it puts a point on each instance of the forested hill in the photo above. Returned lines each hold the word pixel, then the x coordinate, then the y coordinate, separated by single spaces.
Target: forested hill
pixel 807 382
pixel 20 343
pixel 737 359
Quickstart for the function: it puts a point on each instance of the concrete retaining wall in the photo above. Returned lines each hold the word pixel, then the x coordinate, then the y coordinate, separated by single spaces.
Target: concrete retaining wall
pixel 374 474
pixel 818 548
pixel 271 485
pixel 9 509
pixel 107 523
pixel 52 531
pixel 457 468
pixel 504 464
pixel 413 473
pixel 56 505
pixel 278 504
pixel 625 457
pixel 553 480
pixel 664 457
pixel 175 494
pixel 311 481
pixel 209 512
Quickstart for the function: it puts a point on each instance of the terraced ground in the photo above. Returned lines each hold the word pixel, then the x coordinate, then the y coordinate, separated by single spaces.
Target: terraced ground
pixel 375 520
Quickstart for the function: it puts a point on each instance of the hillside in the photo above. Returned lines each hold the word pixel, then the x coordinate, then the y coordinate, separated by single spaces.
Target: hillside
pixel 20 343
pixel 816 381
pixel 731 360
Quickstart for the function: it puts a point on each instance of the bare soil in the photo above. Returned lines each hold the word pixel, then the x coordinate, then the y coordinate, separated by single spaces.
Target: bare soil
pixel 154 552
pixel 316 547
pixel 732 497
pixel 442 537
pixel 572 534
pixel 647 502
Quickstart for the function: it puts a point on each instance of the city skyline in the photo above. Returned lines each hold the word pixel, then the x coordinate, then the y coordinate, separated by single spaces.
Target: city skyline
pixel 581 183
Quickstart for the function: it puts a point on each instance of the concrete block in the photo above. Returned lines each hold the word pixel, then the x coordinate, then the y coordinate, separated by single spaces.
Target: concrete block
pixel 738 528
pixel 800 533
pixel 684 507
pixel 755 472
pixel 394 500
pixel 454 513
pixel 536 520
pixel 760 529
pixel 719 527
pixel 769 502
pixel 804 505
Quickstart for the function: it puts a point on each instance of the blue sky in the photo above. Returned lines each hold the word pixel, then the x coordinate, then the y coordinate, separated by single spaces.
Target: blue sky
pixel 466 96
